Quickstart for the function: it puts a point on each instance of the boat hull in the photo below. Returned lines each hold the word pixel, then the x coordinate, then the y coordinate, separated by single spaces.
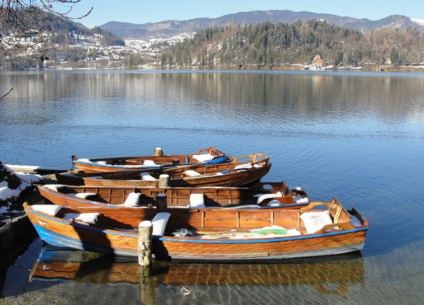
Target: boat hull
pixel 260 249
pixel 175 197
pixel 149 162
pixel 125 244
pixel 240 171
pixel 234 247
pixel 214 175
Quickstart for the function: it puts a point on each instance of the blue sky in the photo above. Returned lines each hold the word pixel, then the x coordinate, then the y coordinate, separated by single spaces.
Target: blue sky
pixel 139 11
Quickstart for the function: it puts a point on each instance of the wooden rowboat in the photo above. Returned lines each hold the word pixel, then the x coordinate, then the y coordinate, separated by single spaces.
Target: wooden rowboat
pixel 263 193
pixel 204 156
pixel 223 174
pixel 321 228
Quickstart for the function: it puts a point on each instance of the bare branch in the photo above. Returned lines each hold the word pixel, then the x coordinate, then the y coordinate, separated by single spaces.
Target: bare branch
pixel 68 4
pixel 25 24
pixel 3 96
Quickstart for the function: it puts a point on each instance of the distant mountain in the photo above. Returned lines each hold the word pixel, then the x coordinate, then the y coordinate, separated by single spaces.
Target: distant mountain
pixel 166 29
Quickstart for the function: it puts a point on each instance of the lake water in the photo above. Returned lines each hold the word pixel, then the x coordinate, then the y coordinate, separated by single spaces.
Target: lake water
pixel 356 136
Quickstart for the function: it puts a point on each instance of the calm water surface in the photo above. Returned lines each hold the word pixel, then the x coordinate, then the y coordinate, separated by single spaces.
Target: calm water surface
pixel 356 136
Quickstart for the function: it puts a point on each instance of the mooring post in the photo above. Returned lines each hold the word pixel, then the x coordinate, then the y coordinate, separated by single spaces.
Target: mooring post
pixel 163 180
pixel 147 283
pixel 158 152
pixel 161 201
pixel 145 229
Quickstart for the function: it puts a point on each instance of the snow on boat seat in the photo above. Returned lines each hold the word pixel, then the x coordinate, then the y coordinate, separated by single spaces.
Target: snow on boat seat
pixel 196 201
pixel 159 223
pixel 147 177
pixel 85 160
pixel 300 199
pixel 240 207
pixel 192 173
pixel 293 232
pixel 48 209
pixel 150 163
pixel 203 157
pixel 82 195
pixel 89 218
pixel 274 203
pixel 262 197
pixel 243 166
pixel 315 221
pixel 132 200
pixel 54 187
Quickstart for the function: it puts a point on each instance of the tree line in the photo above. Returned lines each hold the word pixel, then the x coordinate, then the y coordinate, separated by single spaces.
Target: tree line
pixel 260 46
pixel 270 46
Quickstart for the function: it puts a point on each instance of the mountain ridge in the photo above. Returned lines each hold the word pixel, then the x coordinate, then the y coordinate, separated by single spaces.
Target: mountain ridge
pixel 169 28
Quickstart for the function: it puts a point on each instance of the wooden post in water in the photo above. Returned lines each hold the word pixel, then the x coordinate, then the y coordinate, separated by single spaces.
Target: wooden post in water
pixel 158 152
pixel 147 286
pixel 145 229
pixel 163 180
pixel 161 201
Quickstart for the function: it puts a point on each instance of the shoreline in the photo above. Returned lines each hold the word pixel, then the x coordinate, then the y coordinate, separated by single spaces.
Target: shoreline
pixel 292 67
pixel 16 234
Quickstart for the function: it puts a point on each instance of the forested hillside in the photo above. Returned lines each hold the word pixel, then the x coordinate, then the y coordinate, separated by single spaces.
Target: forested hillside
pixel 279 46
pixel 169 28
pixel 265 45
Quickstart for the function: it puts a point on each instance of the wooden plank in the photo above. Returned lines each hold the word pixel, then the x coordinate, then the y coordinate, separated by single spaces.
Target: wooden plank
pixel 338 213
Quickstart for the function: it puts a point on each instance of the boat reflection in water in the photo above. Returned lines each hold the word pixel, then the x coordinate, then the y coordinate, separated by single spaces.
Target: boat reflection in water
pixel 328 275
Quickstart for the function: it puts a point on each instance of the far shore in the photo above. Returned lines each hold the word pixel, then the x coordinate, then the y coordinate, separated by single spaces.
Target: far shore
pixel 289 67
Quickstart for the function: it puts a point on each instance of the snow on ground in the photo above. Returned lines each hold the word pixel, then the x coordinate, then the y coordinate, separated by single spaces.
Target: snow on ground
pixel 8 194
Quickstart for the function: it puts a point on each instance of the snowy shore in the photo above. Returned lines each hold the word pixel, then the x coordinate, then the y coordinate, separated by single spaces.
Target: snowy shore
pixel 12 187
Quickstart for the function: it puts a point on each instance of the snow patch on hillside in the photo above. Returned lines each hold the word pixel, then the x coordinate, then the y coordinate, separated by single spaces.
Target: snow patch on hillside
pixel 418 21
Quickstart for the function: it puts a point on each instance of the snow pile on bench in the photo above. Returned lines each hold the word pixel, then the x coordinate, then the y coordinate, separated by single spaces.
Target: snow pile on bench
pixel 203 157
pixel 49 209
pixel 132 200
pixel 89 218
pixel 147 177
pixel 315 221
